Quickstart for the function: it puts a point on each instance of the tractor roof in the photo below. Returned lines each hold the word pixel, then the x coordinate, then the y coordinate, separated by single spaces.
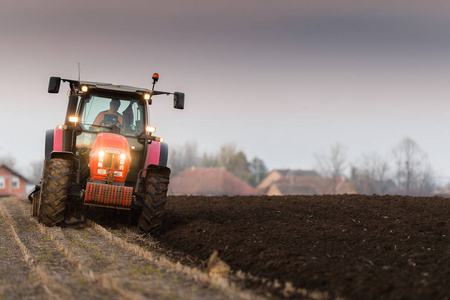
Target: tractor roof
pixel 112 87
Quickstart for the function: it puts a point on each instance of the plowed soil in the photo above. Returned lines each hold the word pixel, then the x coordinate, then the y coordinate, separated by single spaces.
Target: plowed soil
pixel 297 247
pixel 346 246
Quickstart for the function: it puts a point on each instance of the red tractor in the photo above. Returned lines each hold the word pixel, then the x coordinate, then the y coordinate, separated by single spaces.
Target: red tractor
pixel 104 155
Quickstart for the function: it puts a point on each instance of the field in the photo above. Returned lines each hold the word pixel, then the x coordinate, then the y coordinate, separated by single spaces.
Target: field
pixel 351 246
pixel 296 247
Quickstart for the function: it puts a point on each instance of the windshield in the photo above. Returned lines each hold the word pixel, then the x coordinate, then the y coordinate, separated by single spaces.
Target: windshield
pixel 100 113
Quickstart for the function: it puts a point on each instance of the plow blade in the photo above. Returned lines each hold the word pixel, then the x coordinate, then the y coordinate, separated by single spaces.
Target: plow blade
pixel 106 195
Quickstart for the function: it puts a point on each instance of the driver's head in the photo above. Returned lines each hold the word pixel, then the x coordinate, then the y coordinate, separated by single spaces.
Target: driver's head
pixel 114 105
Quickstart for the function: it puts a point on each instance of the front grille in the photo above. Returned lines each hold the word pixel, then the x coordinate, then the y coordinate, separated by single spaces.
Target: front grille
pixel 107 160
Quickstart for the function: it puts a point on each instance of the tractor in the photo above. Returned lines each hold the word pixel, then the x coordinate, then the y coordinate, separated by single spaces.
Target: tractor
pixel 105 155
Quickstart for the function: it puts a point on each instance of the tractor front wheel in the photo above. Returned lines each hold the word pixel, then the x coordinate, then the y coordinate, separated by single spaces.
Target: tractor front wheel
pixel 153 210
pixel 56 181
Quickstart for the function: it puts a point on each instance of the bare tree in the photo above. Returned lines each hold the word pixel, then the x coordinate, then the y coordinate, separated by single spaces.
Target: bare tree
pixel 413 173
pixel 7 160
pixel 183 157
pixel 239 167
pixel 332 164
pixel 258 170
pixel 371 175
pixel 209 160
pixel 226 154
pixel 191 156
pixel 35 171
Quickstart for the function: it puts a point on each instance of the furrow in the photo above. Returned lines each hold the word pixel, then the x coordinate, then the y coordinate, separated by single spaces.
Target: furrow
pixel 227 288
pixel 52 287
pixel 100 257
pixel 61 274
pixel 116 268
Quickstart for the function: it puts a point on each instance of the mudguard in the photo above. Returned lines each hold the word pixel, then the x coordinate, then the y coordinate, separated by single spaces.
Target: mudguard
pixel 49 134
pixel 57 140
pixel 157 154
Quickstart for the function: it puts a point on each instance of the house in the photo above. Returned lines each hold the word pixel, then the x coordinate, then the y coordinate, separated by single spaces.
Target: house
pixel 299 182
pixel 209 182
pixel 442 192
pixel 310 185
pixel 277 175
pixel 12 184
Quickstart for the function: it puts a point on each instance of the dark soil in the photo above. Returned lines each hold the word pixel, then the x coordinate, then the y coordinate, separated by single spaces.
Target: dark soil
pixel 350 246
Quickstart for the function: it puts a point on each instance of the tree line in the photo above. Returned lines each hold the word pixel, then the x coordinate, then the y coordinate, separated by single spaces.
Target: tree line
pixel 228 157
pixel 406 170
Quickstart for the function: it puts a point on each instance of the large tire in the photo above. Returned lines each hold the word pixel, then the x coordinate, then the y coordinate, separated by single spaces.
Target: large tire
pixel 53 194
pixel 153 210
pixel 35 203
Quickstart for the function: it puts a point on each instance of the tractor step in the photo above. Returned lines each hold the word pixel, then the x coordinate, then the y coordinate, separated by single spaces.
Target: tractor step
pixel 106 195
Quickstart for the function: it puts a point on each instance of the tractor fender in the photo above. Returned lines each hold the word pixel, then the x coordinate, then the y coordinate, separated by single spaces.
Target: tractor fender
pixel 36 189
pixel 157 154
pixel 57 140
pixel 62 154
pixel 49 134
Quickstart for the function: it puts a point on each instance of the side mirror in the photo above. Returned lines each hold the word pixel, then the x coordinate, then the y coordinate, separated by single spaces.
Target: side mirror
pixel 53 85
pixel 178 100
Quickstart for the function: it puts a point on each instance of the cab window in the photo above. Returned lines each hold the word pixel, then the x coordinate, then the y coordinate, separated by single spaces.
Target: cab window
pixel 107 114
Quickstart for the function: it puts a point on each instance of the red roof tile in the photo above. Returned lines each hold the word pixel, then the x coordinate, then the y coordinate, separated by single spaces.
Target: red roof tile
pixel 209 181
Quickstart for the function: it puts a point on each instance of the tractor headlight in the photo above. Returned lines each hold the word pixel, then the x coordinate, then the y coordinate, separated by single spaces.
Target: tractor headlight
pixel 122 156
pixel 73 119
pixel 101 153
pixel 147 96
pixel 84 88
pixel 150 129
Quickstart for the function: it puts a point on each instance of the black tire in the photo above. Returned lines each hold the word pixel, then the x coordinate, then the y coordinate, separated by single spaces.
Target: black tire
pixel 53 194
pixel 153 210
pixel 35 203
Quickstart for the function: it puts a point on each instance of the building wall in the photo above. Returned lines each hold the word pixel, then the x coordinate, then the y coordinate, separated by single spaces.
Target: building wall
pixel 6 184
pixel 272 177
pixel 274 191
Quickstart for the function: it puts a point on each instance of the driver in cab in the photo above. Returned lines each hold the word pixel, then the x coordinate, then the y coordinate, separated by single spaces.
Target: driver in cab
pixel 110 117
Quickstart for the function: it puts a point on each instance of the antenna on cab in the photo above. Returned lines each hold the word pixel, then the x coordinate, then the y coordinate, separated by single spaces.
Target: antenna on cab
pixel 79 71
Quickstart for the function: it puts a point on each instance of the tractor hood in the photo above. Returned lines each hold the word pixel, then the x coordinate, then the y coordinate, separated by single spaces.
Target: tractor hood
pixel 110 158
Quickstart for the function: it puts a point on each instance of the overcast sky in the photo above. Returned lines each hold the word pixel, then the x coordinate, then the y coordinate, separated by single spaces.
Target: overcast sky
pixel 282 79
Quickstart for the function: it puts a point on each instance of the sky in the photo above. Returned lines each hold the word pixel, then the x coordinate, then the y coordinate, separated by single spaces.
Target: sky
pixel 282 79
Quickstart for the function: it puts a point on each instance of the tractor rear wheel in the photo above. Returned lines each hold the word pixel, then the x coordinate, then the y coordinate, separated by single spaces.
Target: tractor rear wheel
pixel 53 194
pixel 36 200
pixel 153 210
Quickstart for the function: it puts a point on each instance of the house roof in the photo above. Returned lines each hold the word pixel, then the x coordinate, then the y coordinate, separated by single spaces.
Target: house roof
pixel 14 172
pixel 298 172
pixel 209 181
pixel 289 189
pixel 310 185
pixel 281 174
